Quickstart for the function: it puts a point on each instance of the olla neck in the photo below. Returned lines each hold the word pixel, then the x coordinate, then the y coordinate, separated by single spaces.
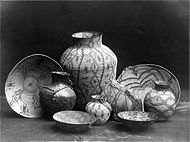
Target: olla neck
pixel 61 77
pixel 90 39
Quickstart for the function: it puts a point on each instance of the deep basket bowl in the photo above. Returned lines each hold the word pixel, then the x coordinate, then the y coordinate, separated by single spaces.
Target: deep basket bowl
pixel 136 120
pixel 24 82
pixel 74 121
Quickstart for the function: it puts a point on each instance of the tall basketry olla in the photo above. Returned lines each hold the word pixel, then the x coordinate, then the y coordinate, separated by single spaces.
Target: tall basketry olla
pixel 91 65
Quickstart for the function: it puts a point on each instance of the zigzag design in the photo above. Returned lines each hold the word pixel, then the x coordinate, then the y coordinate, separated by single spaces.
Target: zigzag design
pixel 103 67
pixel 136 78
pixel 82 56
pixel 152 71
pixel 143 85
pixel 80 62
pixel 159 73
pixel 157 69
pixel 141 81
pixel 148 82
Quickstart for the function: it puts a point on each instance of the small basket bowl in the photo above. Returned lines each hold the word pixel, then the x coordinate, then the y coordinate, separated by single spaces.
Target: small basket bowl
pixel 74 121
pixel 136 120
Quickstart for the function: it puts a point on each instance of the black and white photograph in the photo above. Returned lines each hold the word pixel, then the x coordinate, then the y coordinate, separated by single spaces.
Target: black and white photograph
pixel 103 70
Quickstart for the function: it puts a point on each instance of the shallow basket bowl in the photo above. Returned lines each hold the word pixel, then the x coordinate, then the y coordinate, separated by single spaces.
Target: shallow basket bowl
pixel 74 121
pixel 24 82
pixel 146 75
pixel 136 120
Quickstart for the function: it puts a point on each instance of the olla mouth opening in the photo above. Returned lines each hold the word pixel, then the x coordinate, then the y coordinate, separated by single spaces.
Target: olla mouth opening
pixel 87 34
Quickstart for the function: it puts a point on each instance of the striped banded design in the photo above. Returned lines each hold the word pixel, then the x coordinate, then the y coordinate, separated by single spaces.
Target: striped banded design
pixel 100 111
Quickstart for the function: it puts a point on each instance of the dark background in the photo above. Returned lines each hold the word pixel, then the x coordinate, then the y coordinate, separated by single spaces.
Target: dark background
pixel 138 32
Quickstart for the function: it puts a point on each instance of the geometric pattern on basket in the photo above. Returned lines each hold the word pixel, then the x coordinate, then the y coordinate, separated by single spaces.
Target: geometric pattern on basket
pixel 34 71
pixel 145 75
pixel 135 116
pixel 100 111
pixel 91 66
pixel 160 104
pixel 120 100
